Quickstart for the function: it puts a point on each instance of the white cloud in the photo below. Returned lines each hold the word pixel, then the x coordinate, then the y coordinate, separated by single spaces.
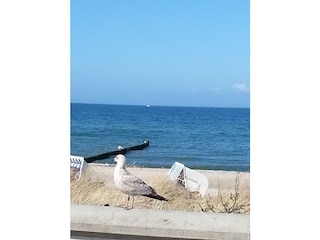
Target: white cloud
pixel 240 87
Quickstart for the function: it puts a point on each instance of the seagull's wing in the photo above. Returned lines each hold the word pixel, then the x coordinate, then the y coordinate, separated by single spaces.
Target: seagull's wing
pixel 135 185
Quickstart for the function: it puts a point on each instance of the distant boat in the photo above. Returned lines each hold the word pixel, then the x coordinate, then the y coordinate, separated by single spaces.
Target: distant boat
pixel 148 106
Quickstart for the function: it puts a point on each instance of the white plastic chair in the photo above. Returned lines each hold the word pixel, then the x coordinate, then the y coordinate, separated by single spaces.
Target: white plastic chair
pixel 191 179
pixel 78 163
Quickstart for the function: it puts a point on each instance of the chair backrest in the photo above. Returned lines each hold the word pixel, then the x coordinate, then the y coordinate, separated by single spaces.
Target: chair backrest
pixel 78 163
pixel 175 171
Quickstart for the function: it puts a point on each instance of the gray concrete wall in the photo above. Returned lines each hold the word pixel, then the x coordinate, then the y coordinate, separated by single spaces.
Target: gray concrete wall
pixel 98 222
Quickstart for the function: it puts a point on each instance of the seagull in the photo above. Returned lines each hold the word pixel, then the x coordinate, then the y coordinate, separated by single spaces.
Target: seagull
pixel 130 184
pixel 120 147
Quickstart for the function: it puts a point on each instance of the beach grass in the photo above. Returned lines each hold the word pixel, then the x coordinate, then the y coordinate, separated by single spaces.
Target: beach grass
pixel 88 191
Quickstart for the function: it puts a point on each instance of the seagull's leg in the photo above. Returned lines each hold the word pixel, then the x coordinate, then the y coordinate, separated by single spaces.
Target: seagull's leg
pixel 126 207
pixel 132 202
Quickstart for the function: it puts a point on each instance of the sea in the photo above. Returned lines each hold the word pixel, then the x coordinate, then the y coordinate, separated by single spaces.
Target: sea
pixel 198 137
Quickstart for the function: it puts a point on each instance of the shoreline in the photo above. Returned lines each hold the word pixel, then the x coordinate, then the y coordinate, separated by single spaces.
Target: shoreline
pixel 229 169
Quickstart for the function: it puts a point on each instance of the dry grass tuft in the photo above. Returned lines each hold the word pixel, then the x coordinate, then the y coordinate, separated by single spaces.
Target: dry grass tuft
pixel 235 201
pixel 87 191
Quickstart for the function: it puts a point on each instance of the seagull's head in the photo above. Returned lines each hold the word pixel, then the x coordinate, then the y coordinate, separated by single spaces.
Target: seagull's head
pixel 120 160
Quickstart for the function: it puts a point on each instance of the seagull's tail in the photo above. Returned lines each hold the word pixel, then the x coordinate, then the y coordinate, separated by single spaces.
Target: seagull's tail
pixel 156 196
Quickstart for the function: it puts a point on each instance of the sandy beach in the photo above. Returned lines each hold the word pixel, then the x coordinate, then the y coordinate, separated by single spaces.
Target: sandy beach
pixel 225 179
pixel 228 192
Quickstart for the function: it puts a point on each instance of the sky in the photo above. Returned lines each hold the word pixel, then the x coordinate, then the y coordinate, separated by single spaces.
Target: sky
pixel 166 53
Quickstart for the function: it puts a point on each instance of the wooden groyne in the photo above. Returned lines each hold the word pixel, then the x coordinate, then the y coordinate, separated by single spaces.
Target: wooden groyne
pixel 116 152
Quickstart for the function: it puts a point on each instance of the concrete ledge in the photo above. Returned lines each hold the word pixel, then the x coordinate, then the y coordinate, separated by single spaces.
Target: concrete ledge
pixel 97 222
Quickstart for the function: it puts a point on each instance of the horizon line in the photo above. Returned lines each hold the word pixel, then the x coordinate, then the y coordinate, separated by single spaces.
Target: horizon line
pixel 144 105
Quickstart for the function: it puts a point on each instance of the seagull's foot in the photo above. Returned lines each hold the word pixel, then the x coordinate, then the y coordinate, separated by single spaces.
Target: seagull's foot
pixel 127 208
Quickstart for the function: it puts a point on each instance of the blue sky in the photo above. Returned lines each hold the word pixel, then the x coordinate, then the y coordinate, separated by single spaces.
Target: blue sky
pixel 169 53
